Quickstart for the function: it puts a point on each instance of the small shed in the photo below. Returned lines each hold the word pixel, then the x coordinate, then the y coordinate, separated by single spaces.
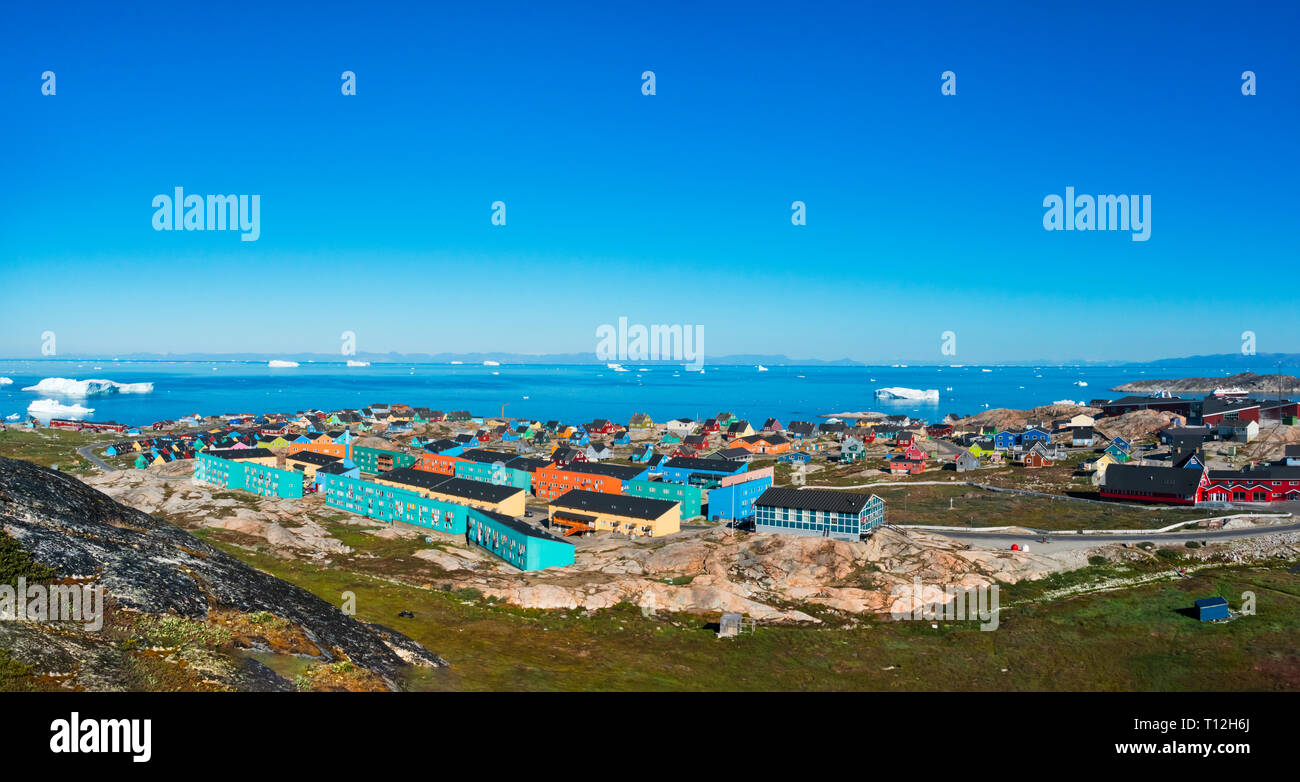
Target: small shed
pixel 733 625
pixel 1210 609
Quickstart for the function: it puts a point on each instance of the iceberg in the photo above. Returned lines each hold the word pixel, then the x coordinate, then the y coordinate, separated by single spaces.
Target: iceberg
pixel 1068 402
pixel 352 363
pixel 911 394
pixel 1081 383
pixel 4 381
pixel 13 417
pixel 50 408
pixel 491 363
pixel 62 386
pixel 276 363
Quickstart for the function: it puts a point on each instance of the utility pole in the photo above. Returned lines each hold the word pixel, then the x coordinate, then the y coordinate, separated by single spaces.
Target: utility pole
pixel 504 405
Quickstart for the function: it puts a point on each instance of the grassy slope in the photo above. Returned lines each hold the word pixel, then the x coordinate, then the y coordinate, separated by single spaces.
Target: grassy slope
pixel 1127 640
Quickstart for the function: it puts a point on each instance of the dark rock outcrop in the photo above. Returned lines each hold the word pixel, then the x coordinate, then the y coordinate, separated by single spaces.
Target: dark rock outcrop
pixel 153 567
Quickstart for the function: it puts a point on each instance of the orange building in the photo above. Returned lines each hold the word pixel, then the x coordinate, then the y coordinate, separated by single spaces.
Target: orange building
pixel 551 482
pixel 439 463
pixel 329 448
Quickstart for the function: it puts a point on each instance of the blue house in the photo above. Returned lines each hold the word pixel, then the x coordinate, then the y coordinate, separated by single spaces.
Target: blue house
pixel 623 439
pixel 1030 436
pixel 1006 440
pixel 679 469
pixel 1212 609
pixel 736 501
pixel 795 457
pixel 1122 443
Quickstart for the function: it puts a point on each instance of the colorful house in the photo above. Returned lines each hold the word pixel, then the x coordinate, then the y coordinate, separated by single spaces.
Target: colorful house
pixel 634 516
pixel 819 513
pixel 516 542
pixel 734 496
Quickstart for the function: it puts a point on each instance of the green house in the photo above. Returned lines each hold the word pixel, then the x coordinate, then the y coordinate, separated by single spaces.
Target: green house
pixel 374 461
pixel 691 497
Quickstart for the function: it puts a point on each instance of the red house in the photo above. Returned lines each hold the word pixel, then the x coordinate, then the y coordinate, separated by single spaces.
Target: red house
pixel 907 466
pixel 1268 484
pixel 600 426
pixel 904 439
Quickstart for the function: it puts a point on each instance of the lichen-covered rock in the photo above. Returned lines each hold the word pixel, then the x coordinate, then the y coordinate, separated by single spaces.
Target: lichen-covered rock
pixel 152 567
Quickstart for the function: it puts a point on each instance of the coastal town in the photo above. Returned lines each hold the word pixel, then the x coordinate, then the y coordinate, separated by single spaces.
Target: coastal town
pixel 528 491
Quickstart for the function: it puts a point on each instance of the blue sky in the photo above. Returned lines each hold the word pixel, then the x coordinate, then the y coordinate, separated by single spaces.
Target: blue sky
pixel 924 211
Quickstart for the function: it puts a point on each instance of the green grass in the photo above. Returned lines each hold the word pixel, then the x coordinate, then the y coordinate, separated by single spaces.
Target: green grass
pixel 16 563
pixel 1133 639
pixel 982 508
pixel 50 447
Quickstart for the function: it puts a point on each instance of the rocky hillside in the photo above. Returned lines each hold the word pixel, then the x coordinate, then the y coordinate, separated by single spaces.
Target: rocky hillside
pixel 1263 385
pixel 1004 418
pixel 181 613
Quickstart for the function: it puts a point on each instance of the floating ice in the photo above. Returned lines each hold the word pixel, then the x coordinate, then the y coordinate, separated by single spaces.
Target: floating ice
pixel 63 386
pixel 912 394
pixel 50 408
pixel 280 364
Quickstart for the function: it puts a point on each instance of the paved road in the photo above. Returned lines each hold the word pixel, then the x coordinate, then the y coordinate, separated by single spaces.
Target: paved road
pixel 1069 540
pixel 87 452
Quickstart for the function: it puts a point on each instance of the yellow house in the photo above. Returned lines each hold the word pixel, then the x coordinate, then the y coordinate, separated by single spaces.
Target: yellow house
pixel 640 421
pixel 307 462
pixel 1100 464
pixel 739 429
pixel 639 516
pixel 462 491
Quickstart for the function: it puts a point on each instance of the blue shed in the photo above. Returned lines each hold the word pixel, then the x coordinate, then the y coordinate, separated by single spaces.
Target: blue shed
pixel 1210 609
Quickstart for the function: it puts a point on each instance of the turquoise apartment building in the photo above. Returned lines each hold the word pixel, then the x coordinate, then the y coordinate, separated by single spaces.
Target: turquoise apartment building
pixel 517 543
pixel 247 476
pixel 391 504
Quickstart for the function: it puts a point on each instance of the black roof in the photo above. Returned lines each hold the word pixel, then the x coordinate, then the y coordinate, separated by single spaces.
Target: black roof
pixel 1215 405
pixel 621 471
pixel 1159 480
pixel 521 527
pixel 703 465
pixel 334 468
pixel 1292 451
pixel 616 504
pixel 814 499
pixel 1257 474
pixel 486 456
pixel 239 453
pixel 457 487
pixel 311 457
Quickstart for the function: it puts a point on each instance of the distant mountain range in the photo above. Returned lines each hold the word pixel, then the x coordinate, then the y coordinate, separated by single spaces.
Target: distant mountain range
pixel 1263 362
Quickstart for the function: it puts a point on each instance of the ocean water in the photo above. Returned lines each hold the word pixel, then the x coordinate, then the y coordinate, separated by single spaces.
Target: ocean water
pixel 571 393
